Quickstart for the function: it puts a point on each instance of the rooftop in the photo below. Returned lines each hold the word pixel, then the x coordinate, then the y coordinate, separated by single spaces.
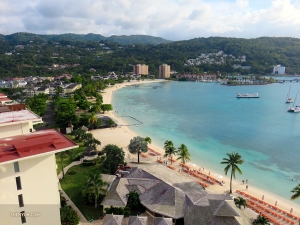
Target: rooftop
pixel 34 144
pixel 2 98
pixel 17 116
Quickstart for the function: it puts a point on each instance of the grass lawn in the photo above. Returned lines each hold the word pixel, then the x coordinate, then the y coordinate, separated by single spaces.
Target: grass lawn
pixel 72 184
pixel 66 158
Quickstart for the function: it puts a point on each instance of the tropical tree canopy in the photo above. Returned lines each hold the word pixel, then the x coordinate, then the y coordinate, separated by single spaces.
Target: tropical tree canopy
pixel 234 159
pixel 138 145
pixel 261 220
pixel 148 140
pixel 296 192
pixel 134 200
pixel 113 157
pixel 106 107
pixel 183 153
pixel 170 150
pixel 239 202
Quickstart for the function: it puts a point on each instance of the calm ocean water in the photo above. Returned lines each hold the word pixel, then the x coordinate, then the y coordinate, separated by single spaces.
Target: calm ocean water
pixel 211 121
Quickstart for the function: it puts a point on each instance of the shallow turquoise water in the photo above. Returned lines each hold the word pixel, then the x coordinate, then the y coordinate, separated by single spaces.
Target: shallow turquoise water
pixel 211 121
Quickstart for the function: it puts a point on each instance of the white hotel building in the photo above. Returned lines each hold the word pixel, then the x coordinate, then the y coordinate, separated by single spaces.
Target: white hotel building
pixel 28 181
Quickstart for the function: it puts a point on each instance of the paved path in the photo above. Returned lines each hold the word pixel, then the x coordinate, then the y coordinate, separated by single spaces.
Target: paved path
pixel 83 220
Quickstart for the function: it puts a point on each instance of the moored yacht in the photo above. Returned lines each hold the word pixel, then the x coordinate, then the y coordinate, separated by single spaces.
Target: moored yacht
pixel 239 95
pixel 288 99
pixel 296 108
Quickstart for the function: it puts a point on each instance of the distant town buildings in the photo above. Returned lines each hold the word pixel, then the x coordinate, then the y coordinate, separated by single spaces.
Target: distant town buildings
pixel 218 58
pixel 278 69
pixel 164 71
pixel 197 77
pixel 140 69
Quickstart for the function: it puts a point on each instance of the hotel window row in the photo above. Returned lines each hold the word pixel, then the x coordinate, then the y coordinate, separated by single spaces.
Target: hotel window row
pixel 20 196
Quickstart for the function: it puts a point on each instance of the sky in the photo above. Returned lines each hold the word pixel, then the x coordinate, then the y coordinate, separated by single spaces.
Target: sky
pixel 170 19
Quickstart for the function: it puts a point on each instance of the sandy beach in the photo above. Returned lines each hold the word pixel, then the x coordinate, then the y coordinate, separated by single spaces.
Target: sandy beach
pixel 121 136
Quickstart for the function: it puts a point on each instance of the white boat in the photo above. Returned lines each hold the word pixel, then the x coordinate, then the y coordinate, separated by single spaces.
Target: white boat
pixel 294 109
pixel 288 99
pixel 239 95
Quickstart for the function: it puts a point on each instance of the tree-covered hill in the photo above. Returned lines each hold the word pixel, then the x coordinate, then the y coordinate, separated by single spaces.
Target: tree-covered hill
pixel 23 37
pixel 38 55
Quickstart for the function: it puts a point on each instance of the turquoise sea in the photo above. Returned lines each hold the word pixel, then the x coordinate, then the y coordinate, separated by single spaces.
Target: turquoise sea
pixel 211 121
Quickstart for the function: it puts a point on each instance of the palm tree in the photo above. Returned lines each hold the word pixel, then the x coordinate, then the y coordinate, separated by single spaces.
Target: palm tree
pixel 58 90
pixel 239 202
pixel 296 192
pixel 170 150
pixel 148 140
pixel 183 153
pixel 95 185
pixel 234 159
pixel 92 120
pixel 62 155
pixel 261 220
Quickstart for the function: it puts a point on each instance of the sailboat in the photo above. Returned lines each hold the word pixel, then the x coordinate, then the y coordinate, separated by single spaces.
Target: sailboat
pixel 288 99
pixel 296 108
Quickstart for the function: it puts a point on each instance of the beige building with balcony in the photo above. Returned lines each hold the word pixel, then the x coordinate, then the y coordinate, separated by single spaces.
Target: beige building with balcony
pixel 28 179
pixel 140 69
pixel 164 71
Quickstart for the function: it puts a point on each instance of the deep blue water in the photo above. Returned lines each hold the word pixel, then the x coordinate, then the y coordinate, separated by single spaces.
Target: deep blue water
pixel 211 121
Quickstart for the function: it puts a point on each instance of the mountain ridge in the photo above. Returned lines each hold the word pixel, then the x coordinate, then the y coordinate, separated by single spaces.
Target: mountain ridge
pixel 120 39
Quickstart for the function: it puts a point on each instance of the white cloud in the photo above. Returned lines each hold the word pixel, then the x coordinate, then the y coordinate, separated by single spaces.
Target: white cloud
pixel 170 19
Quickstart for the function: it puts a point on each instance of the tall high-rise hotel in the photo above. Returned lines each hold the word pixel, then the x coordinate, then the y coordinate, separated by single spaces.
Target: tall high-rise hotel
pixel 140 69
pixel 164 71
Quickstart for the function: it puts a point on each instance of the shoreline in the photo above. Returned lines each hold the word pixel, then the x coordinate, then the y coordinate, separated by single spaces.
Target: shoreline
pixel 122 135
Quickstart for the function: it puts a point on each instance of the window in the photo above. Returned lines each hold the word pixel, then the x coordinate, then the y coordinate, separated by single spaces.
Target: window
pixel 23 218
pixel 21 203
pixel 18 182
pixel 16 166
pixel 30 130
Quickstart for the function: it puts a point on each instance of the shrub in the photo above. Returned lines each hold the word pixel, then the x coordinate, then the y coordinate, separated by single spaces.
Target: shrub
pixel 68 216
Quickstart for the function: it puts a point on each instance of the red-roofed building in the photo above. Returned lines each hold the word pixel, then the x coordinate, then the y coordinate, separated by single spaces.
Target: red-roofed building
pixel 4 99
pixel 28 179
pixel 17 122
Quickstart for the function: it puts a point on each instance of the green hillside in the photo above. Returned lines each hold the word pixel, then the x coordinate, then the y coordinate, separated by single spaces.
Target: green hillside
pixel 40 52
pixel 23 37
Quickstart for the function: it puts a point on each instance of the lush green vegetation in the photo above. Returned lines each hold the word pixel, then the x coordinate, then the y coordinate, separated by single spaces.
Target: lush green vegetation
pixel 113 157
pixel 78 56
pixel 68 157
pixel 73 183
pixel 23 37
pixel 37 104
pixel 68 216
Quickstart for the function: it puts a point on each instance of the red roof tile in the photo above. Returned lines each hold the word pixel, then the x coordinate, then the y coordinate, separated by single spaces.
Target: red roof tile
pixel 4 99
pixel 37 143
pixel 2 95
